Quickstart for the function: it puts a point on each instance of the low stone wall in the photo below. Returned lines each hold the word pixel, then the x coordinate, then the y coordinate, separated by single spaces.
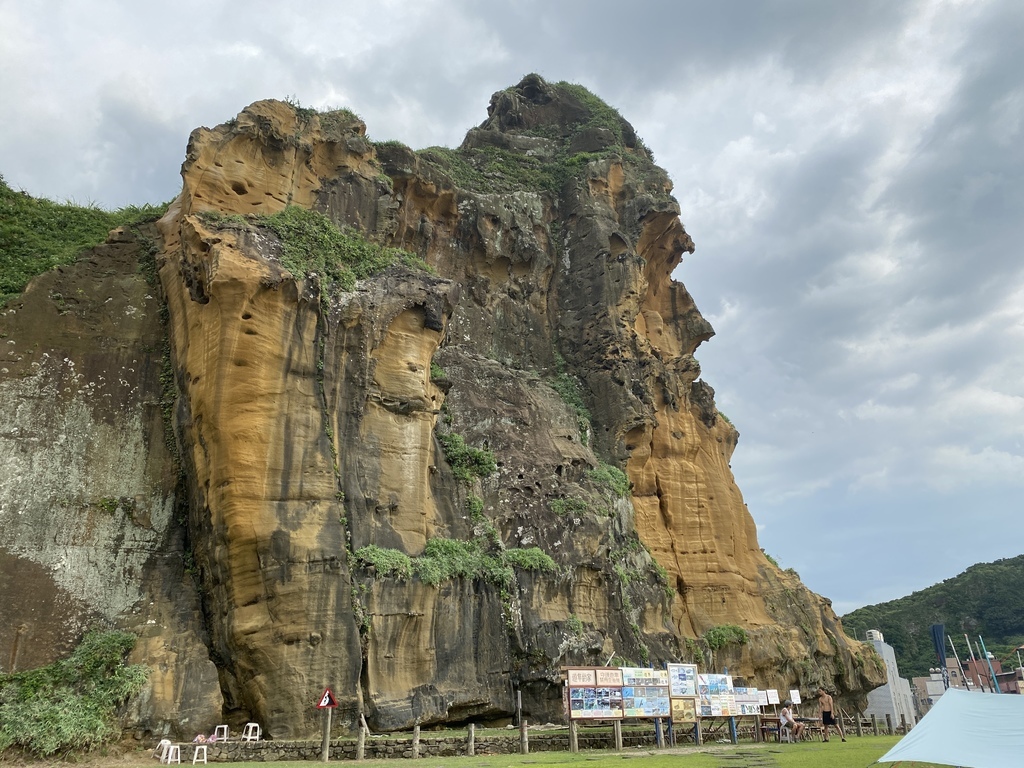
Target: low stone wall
pixel 384 747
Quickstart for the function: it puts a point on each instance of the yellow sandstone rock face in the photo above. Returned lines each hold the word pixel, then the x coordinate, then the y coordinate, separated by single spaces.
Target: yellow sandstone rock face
pixel 554 338
pixel 326 538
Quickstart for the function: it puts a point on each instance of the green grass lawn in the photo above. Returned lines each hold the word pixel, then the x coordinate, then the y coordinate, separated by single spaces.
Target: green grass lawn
pixel 854 753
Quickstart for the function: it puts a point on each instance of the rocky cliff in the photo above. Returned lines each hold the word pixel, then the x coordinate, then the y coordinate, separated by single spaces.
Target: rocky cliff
pixel 422 427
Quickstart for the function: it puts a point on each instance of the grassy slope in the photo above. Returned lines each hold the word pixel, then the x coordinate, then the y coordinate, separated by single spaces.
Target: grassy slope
pixel 38 234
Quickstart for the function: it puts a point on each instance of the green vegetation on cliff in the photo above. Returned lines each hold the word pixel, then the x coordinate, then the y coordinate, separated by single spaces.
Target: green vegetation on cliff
pixel 556 158
pixel 70 704
pixel 446 559
pixel 313 244
pixel 466 461
pixel 38 234
pixel 987 599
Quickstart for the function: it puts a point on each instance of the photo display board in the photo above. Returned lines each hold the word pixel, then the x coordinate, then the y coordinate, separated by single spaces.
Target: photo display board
pixel 682 680
pixel 748 701
pixel 645 692
pixel 595 693
pixel 716 696
pixel 773 696
pixel 684 710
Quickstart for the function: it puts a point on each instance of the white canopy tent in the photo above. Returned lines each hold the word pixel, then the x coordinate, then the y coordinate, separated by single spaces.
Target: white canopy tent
pixel 972 730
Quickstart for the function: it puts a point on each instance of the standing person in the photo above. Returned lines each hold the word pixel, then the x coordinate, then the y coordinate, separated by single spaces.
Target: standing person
pixel 786 721
pixel 827 712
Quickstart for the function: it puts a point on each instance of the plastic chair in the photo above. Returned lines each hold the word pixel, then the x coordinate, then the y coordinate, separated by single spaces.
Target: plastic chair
pixel 195 755
pixel 251 732
pixel 221 733
pixel 785 734
pixel 172 755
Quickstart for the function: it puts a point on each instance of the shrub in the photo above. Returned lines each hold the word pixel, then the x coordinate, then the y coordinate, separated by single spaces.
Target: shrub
pixel 445 559
pixel 466 462
pixel 574 625
pixel 569 506
pixel 530 559
pixel 70 704
pixel 388 562
pixel 613 477
pixel 725 634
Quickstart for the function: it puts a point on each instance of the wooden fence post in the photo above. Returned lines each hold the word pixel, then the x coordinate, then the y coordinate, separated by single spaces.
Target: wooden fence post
pixel 471 740
pixel 617 730
pixel 361 739
pixel 524 737
pixel 874 724
pixel 415 741
pixel 574 744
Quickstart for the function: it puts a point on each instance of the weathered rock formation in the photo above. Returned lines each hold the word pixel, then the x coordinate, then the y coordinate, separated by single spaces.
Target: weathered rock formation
pixel 212 456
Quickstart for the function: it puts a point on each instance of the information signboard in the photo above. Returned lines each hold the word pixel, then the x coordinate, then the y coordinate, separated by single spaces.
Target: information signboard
pixel 773 696
pixel 794 696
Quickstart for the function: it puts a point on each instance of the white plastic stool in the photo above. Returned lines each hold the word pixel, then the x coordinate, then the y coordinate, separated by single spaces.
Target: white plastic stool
pixel 251 732
pixel 221 733
pixel 195 755
pixel 161 749
pixel 173 755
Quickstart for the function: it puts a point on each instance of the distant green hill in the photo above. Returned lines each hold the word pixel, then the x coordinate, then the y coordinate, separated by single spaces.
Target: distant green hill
pixel 987 599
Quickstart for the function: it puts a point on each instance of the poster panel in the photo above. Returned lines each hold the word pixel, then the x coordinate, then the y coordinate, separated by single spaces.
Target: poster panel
pixel 684 710
pixel 716 696
pixel 762 698
pixel 645 701
pixel 595 703
pixel 748 701
pixel 773 696
pixel 682 679
pixel 794 696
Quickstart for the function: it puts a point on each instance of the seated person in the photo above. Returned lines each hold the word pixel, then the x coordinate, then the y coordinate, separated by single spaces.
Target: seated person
pixel 786 720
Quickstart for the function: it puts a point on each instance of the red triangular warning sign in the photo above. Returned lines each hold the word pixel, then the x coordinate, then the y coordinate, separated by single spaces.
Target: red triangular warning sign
pixel 327 701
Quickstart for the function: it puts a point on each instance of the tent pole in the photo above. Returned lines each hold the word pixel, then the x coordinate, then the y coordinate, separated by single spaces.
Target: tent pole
pixel 956 656
pixel 995 683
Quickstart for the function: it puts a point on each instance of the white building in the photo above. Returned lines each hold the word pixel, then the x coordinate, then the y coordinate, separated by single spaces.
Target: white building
pixel 895 697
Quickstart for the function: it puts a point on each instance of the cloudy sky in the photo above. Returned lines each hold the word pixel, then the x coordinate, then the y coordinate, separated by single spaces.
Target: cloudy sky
pixel 852 174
